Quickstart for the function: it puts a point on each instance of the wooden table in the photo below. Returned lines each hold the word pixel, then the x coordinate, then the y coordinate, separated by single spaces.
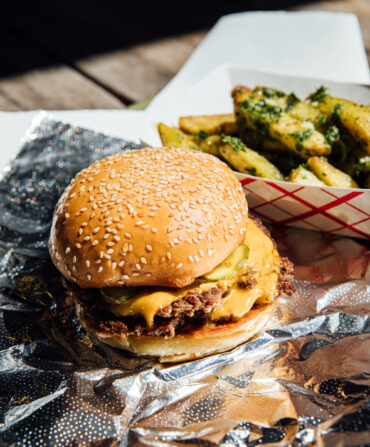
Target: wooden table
pixel 115 79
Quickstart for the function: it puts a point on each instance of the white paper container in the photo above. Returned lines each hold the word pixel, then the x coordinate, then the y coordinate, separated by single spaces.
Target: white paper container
pixel 343 211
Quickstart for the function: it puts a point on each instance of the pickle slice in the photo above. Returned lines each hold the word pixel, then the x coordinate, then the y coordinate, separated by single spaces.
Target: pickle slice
pixel 230 266
pixel 118 295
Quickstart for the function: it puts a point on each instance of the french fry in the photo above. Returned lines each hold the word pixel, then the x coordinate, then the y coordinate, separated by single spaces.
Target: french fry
pixel 354 117
pixel 209 124
pixel 304 177
pixel 330 175
pixel 244 159
pixel 297 136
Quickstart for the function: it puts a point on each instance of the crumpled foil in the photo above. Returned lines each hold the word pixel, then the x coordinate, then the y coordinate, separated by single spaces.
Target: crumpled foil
pixel 304 381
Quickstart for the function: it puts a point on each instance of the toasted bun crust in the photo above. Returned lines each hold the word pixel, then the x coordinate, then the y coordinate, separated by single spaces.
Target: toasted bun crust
pixel 148 217
pixel 197 344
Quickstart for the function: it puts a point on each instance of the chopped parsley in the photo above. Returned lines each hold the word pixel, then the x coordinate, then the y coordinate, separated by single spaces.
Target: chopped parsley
pixel 292 101
pixel 260 113
pixel 251 171
pixel 300 137
pixel 202 135
pixel 332 135
pixel 322 119
pixel 235 143
pixel 336 113
pixel 319 94
pixel 272 93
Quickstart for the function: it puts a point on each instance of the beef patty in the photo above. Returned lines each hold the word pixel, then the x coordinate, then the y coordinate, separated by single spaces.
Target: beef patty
pixel 185 314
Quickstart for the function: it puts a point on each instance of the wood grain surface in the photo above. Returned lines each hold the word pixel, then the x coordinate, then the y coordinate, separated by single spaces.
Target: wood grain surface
pixel 113 79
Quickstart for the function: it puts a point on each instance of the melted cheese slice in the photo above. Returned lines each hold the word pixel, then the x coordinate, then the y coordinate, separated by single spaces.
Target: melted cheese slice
pixel 263 266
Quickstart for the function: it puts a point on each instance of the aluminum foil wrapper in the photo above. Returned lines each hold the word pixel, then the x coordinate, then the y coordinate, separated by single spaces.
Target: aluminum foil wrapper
pixel 304 381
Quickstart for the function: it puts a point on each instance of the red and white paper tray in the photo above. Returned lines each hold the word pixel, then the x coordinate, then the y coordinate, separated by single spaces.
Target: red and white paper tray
pixel 343 211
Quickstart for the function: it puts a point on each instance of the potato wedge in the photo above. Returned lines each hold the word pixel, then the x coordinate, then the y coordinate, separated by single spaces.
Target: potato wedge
pixel 244 159
pixel 293 106
pixel 304 177
pixel 354 117
pixel 297 136
pixel 330 175
pixel 210 144
pixel 209 124
pixel 174 137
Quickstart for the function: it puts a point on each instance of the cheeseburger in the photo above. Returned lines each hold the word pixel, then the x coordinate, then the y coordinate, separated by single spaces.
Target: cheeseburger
pixel 163 257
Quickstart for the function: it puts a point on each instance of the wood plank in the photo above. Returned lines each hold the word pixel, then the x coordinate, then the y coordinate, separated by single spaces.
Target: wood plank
pixel 52 89
pixel 143 70
pixel 55 87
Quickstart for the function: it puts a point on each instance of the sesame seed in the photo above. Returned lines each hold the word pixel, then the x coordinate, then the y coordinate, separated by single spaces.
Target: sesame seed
pixel 121 263
pixel 154 230
pixel 96 229
pixel 125 277
pixel 148 274
pixel 67 250
pixel 201 252
pixel 110 251
pixel 66 215
pixel 130 248
pixel 139 222
pixel 179 265
pixel 191 259
pixel 83 224
pixel 101 254
pixel 135 273
pixel 169 255
pixel 88 276
pixel 143 260
pixel 87 264
pixel 100 269
pixel 138 266
pixel 95 242
pixel 196 258
pixel 106 256
pixel 74 260
pixel 78 245
pixel 114 265
pixel 80 231
pixel 210 252
pixel 106 236
pixel 127 235
pixel 110 244
pixel 86 238
pixel 116 238
pixel 149 247
pixel 98 261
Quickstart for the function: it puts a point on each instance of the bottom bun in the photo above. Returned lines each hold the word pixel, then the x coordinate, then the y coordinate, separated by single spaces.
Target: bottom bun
pixel 199 343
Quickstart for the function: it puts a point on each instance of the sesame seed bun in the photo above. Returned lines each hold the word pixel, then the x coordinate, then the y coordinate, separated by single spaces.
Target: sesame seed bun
pixel 148 217
pixel 205 340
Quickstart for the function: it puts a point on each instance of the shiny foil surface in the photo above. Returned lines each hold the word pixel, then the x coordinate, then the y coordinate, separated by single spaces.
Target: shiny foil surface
pixel 304 381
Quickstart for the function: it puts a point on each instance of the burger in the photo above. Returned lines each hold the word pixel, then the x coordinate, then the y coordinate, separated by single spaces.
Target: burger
pixel 161 255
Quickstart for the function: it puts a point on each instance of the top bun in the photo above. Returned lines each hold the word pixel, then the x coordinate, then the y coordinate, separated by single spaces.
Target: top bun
pixel 148 217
